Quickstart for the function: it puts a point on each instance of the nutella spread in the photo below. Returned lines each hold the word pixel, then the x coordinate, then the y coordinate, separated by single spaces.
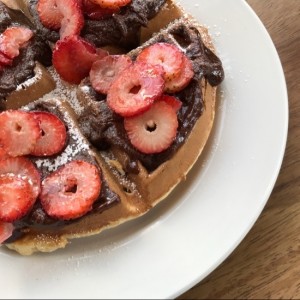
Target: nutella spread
pixel 23 65
pixel 121 29
pixel 105 128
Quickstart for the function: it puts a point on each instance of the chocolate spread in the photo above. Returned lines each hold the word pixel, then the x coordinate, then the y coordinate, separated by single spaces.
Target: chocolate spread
pixel 121 29
pixel 23 65
pixel 37 217
pixel 104 128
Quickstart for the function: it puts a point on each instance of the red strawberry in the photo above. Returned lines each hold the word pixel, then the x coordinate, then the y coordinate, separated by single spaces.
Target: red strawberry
pixel 73 58
pixel 73 19
pixel 14 38
pixel 183 79
pixel 70 192
pixel 105 70
pixel 113 4
pixel 4 60
pixel 16 197
pixel 22 168
pixel 65 15
pixel 164 54
pixel 50 15
pixel 154 130
pixel 96 12
pixel 53 137
pixel 19 132
pixel 3 154
pixel 172 101
pixel 135 89
pixel 6 231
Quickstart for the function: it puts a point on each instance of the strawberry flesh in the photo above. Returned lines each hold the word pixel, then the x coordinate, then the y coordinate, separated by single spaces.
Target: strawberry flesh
pixel 164 54
pixel 183 79
pixel 19 132
pixel 105 70
pixel 70 192
pixel 135 89
pixel 172 101
pixel 49 14
pixel 73 19
pixel 12 39
pixel 73 58
pixel 54 134
pixel 22 168
pixel 112 4
pixel 6 231
pixel 16 197
pixel 96 12
pixel 154 130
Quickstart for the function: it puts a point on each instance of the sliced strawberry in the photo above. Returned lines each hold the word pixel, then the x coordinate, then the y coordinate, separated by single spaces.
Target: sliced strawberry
pixel 172 101
pixel 19 132
pixel 4 60
pixel 3 153
pixel 183 79
pixel 6 231
pixel 105 70
pixel 14 38
pixel 22 168
pixel 16 197
pixel 54 134
pixel 96 12
pixel 73 58
pixel 154 130
pixel 70 192
pixel 113 4
pixel 135 89
pixel 50 16
pixel 164 54
pixel 73 19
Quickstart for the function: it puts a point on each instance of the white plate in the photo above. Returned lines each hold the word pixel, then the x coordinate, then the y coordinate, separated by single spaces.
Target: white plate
pixel 181 241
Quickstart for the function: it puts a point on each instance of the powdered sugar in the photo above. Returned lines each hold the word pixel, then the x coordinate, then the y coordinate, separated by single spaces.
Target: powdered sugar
pixel 64 91
pixel 77 146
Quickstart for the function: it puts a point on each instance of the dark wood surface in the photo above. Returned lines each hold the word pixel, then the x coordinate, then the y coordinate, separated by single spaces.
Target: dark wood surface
pixel 266 265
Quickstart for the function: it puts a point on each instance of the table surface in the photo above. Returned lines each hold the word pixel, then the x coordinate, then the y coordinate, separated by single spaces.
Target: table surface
pixel 266 265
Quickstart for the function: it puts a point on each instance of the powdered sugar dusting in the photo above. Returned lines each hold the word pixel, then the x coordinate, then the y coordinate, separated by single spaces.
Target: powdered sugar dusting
pixel 71 151
pixel 64 91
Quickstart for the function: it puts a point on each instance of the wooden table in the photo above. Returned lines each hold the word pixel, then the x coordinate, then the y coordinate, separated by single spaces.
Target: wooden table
pixel 266 265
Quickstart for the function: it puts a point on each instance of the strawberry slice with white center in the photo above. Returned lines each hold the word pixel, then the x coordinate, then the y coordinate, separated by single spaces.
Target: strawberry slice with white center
pixel 164 54
pixel 113 4
pixel 12 39
pixel 135 89
pixel 105 70
pixel 19 132
pixel 50 16
pixel 3 154
pixel 96 12
pixel 73 58
pixel 22 168
pixel 183 79
pixel 73 19
pixel 65 15
pixel 16 197
pixel 6 231
pixel 70 192
pixel 154 130
pixel 54 134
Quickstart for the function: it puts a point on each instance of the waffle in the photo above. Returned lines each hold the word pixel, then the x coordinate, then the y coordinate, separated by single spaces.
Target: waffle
pixel 39 83
pixel 135 185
